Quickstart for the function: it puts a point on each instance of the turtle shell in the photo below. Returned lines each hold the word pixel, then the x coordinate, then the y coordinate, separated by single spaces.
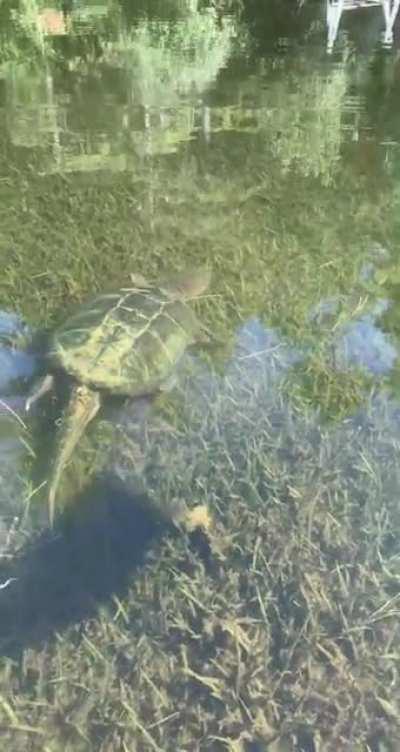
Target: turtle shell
pixel 127 342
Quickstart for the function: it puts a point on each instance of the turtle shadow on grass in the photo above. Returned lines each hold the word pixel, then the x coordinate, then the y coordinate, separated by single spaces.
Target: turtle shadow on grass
pixel 62 577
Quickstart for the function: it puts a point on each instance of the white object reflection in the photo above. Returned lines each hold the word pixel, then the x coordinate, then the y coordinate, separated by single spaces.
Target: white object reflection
pixel 335 8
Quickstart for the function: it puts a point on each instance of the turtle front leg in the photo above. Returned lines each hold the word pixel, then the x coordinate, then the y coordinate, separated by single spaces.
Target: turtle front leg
pixel 83 405
pixel 45 385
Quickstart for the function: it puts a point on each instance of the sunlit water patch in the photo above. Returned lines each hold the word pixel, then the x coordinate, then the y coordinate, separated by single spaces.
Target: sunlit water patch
pixel 15 364
pixel 359 342
pixel 363 344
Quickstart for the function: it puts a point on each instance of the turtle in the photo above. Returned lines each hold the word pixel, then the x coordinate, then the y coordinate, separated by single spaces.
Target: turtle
pixel 124 342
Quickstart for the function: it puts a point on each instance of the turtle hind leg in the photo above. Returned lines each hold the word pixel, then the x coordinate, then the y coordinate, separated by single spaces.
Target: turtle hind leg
pixel 44 386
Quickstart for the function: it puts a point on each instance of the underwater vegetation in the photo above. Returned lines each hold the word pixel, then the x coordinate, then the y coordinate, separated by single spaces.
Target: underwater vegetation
pixel 146 146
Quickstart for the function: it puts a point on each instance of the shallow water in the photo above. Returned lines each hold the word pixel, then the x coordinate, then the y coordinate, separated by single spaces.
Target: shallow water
pixel 145 144
pixel 234 135
pixel 131 142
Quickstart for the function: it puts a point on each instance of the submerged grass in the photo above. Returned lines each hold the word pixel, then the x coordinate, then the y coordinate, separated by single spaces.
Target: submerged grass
pixel 279 632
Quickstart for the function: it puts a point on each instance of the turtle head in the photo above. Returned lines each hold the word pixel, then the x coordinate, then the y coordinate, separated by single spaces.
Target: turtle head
pixel 188 284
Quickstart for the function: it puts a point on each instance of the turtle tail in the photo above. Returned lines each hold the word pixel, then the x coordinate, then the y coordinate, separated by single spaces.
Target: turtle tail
pixel 82 407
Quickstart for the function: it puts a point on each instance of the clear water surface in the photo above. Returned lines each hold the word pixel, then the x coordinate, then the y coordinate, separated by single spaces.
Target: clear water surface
pixel 175 135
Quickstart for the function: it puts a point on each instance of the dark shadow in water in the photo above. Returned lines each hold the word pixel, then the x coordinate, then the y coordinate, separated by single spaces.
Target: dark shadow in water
pixel 63 576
